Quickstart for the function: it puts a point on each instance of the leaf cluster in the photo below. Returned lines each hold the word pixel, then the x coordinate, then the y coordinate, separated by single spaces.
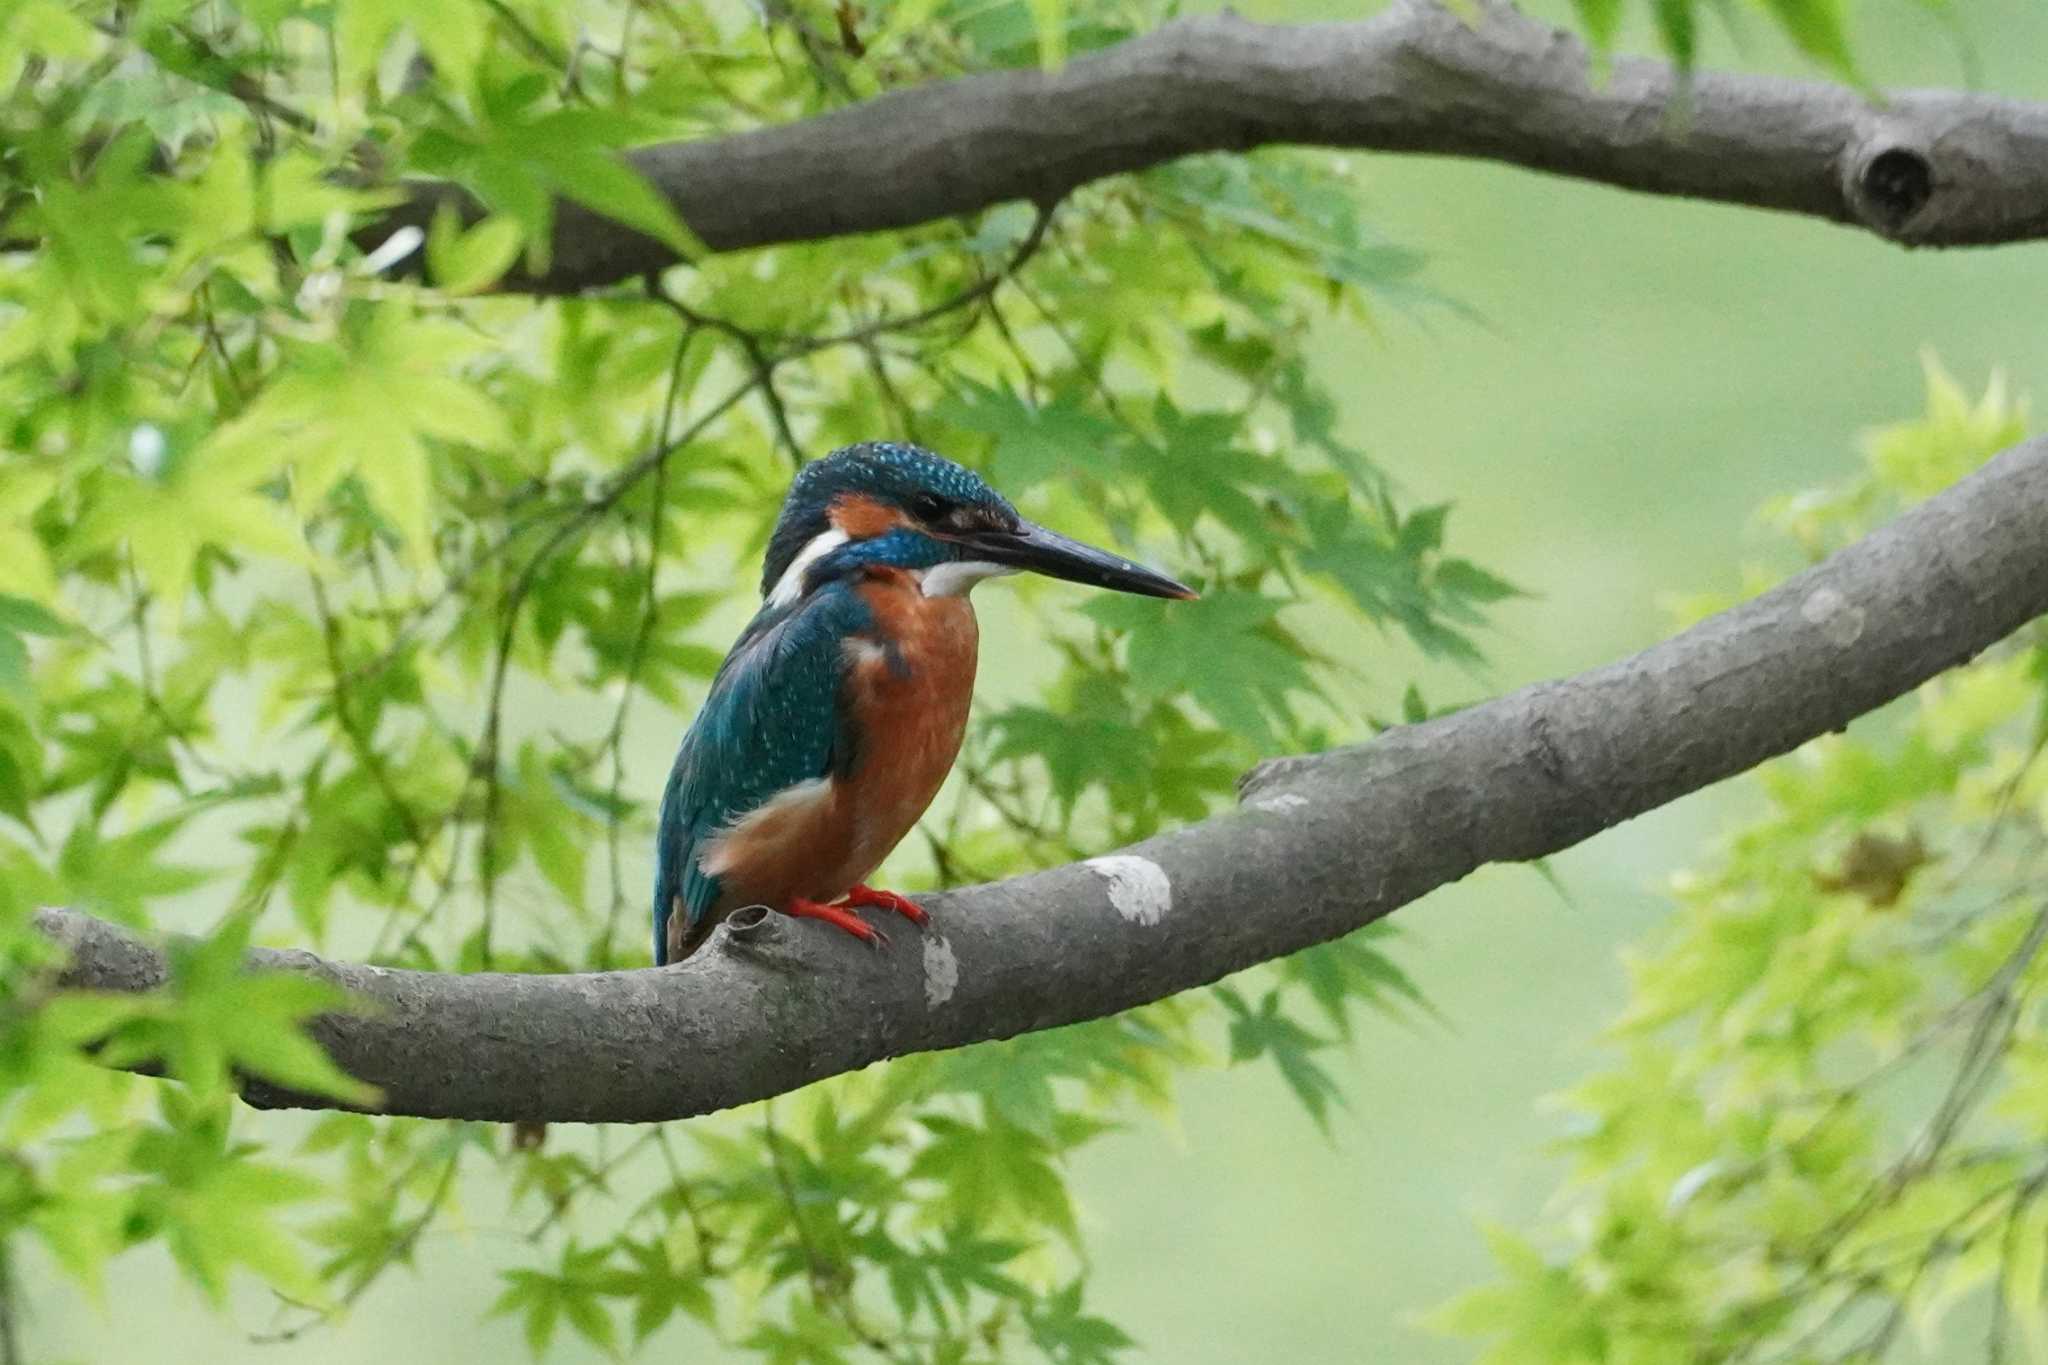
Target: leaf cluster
pixel 1822 1135
pixel 350 598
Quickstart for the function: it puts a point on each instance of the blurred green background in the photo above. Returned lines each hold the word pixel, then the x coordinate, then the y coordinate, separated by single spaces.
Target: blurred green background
pixel 1634 377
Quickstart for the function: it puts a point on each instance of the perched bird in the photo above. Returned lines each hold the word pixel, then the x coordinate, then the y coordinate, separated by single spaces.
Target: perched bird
pixel 841 707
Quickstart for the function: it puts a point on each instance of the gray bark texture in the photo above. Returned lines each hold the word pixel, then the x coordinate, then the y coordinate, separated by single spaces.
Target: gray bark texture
pixel 1319 846
pixel 1925 168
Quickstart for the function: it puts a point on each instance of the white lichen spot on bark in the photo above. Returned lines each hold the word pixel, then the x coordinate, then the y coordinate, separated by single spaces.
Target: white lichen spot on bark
pixel 941 971
pixel 1280 804
pixel 1138 887
pixel 1840 621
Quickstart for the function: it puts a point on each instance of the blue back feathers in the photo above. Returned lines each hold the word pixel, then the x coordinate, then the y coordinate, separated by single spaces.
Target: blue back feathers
pixel 773 719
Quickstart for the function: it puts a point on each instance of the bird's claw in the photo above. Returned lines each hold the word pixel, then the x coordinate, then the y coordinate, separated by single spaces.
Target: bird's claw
pixel 863 894
pixel 839 916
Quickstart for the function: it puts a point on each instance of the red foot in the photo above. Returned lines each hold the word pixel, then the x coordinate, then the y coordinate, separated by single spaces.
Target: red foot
pixel 837 915
pixel 888 900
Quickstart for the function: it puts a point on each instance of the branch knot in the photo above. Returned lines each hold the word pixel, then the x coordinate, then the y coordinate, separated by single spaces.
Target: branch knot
pixel 1888 178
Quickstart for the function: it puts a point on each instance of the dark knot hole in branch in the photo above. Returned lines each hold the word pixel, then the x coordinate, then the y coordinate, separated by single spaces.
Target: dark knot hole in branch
pixel 1897 184
pixel 748 920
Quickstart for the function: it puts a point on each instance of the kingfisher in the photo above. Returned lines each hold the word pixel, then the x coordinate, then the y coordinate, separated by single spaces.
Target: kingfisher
pixel 840 710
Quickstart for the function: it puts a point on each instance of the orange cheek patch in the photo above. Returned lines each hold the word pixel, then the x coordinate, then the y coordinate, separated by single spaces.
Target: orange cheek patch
pixel 862 518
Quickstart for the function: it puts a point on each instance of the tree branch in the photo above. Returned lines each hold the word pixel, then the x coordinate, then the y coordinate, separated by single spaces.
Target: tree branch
pixel 1321 845
pixel 1931 168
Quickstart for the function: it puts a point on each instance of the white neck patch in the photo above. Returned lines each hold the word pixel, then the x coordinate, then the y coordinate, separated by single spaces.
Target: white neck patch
pixel 790 586
pixel 955 577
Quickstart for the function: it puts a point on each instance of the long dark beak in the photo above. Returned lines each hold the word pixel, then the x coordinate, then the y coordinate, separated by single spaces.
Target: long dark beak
pixel 1033 547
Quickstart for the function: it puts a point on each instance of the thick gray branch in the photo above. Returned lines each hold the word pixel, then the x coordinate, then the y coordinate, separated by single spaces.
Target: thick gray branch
pixel 1321 845
pixel 1930 169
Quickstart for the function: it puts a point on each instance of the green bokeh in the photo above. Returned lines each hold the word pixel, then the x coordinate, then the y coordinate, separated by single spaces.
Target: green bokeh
pixel 1645 373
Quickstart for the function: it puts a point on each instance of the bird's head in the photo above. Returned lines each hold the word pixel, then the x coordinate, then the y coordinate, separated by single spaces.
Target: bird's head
pixel 883 502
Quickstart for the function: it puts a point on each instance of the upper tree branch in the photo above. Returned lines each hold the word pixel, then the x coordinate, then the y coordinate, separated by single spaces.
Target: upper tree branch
pixel 1930 168
pixel 1322 845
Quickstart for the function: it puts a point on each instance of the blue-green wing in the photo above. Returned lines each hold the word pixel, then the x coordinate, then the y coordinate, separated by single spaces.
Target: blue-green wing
pixel 773 719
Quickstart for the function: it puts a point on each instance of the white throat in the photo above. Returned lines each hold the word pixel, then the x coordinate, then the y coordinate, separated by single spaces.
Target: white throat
pixel 955 577
pixel 790 586
pixel 951 579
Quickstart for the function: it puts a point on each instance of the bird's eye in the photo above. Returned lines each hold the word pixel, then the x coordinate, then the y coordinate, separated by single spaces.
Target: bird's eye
pixel 927 506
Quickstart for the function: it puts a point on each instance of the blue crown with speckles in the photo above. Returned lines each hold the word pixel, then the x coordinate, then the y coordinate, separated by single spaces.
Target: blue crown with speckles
pixel 889 471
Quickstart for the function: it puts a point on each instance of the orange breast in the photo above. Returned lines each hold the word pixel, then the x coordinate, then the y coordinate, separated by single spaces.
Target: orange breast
pixel 909 691
pixel 909 682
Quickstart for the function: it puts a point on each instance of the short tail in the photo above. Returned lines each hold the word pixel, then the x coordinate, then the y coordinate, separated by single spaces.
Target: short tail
pixel 676 936
pixel 682 894
pixel 665 891
pixel 671 847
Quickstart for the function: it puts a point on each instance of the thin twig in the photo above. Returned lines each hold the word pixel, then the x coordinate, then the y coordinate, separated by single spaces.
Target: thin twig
pixel 828 1295
pixel 484 765
pixel 974 293
pixel 559 1204
pixel 650 610
pixel 359 737
pixel 400 1247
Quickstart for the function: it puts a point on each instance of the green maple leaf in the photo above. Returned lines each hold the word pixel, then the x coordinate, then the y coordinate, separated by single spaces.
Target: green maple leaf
pixel 365 409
